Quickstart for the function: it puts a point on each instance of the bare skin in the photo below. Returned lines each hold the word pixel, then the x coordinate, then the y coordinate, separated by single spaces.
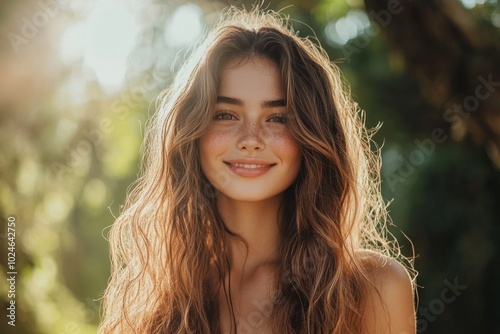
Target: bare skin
pixel 389 308
pixel 250 127
pixel 246 126
pixel 253 270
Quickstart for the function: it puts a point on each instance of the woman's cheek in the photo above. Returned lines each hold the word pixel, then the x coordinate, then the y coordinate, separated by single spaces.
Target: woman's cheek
pixel 214 139
pixel 290 147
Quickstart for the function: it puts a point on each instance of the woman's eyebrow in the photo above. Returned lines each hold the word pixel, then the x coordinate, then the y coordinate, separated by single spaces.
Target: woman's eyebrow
pixel 273 103
pixel 229 100
pixel 239 102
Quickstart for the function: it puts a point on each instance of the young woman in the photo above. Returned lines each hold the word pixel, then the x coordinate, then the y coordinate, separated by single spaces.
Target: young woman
pixel 259 208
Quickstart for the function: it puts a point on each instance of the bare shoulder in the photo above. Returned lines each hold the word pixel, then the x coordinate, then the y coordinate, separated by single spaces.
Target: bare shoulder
pixel 390 301
pixel 383 269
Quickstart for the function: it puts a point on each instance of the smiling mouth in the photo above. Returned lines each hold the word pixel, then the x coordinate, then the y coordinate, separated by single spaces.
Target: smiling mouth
pixel 249 169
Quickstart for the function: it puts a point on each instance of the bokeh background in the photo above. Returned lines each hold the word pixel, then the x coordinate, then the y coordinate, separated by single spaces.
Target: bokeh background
pixel 78 80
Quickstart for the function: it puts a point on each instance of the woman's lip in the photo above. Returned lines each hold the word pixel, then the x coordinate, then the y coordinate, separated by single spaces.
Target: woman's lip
pixel 249 170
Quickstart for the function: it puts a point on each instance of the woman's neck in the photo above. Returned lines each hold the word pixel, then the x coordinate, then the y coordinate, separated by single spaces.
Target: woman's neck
pixel 257 224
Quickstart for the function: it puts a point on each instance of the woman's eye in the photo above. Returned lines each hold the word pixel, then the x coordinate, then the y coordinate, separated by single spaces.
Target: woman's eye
pixel 224 116
pixel 278 119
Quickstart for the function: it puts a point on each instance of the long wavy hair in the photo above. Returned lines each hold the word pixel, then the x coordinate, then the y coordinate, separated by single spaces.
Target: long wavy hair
pixel 167 240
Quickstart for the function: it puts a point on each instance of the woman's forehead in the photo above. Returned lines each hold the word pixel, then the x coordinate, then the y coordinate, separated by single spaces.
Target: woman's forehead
pixel 255 77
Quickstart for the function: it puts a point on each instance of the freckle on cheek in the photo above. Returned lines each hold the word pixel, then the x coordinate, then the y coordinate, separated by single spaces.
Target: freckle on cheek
pixel 215 139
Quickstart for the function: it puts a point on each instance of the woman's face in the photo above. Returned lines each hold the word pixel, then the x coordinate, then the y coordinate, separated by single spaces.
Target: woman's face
pixel 248 153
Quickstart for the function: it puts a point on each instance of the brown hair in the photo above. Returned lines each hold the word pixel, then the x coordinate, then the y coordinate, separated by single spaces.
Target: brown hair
pixel 170 234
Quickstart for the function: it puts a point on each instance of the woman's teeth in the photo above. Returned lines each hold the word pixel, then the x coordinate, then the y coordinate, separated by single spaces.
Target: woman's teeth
pixel 250 166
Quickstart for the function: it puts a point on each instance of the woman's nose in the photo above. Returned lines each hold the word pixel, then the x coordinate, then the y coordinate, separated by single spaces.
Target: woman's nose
pixel 251 138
